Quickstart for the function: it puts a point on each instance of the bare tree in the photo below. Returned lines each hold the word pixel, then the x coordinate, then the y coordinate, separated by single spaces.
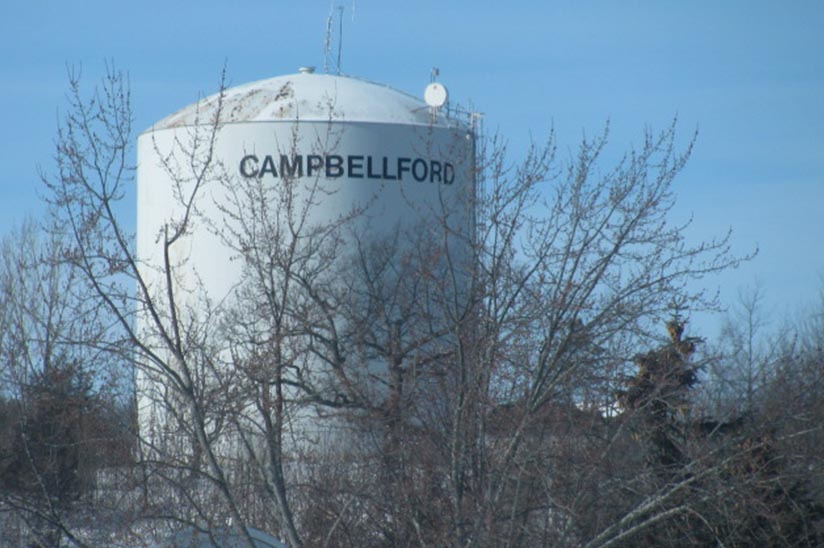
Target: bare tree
pixel 214 378
pixel 574 269
pixel 747 352
pixel 398 390
pixel 65 410
pixel 93 161
pixel 571 272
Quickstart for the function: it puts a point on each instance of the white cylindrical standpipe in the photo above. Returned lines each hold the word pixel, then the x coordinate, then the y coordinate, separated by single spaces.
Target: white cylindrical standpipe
pixel 344 144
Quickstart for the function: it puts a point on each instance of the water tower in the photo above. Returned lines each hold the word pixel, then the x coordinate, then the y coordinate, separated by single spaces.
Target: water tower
pixel 345 144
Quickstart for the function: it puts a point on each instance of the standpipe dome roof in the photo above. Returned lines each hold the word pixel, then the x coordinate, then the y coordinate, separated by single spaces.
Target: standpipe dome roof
pixel 309 97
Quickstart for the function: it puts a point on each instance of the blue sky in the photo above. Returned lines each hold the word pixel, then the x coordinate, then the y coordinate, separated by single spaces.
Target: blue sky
pixel 748 75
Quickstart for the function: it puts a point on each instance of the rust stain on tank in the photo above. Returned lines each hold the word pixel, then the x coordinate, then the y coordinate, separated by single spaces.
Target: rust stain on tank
pixel 240 109
pixel 285 92
pixel 254 104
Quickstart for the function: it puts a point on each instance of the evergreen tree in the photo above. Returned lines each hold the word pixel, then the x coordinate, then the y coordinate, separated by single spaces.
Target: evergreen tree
pixel 725 481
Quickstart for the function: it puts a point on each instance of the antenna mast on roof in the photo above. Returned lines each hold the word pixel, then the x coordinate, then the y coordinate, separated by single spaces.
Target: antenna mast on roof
pixel 340 34
pixel 327 44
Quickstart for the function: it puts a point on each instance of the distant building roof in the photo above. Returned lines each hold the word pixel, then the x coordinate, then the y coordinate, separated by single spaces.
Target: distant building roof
pixel 220 538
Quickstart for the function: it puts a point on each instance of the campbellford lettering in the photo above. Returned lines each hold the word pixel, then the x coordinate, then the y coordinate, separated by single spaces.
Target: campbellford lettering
pixel 352 166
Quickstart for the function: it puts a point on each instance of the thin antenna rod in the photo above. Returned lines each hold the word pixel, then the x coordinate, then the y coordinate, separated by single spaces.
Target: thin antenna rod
pixel 327 43
pixel 340 34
